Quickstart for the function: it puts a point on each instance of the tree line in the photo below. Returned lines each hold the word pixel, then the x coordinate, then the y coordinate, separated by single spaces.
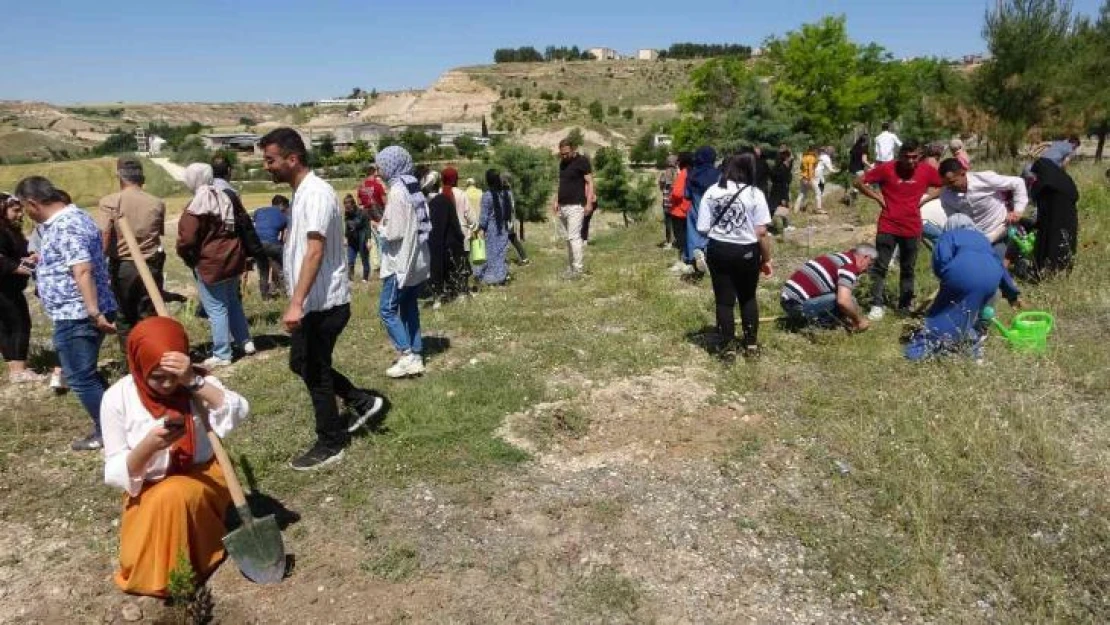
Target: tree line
pixel 1045 78
pixel 705 51
pixel 529 54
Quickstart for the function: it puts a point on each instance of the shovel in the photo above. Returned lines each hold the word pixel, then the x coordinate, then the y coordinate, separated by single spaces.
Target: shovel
pixel 256 545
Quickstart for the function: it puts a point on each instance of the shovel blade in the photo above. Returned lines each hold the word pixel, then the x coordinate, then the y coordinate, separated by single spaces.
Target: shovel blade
pixel 257 548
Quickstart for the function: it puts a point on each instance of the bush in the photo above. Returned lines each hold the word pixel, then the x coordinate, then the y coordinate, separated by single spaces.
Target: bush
pixel 119 142
pixel 525 106
pixel 192 150
pixel 614 110
pixel 627 114
pixel 597 111
pixel 554 108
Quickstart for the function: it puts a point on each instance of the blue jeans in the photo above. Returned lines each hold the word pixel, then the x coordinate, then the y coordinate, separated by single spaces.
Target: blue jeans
pixel 225 314
pixel 821 310
pixel 78 345
pixel 354 252
pixel 400 312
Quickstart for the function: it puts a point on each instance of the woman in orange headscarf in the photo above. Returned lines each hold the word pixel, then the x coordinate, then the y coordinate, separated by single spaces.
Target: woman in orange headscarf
pixel 155 449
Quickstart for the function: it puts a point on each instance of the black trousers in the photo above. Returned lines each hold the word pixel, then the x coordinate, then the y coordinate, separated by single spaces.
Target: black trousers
pixel 310 355
pixel 734 270
pixel 134 303
pixel 678 227
pixel 586 225
pixel 15 326
pixel 517 245
pixel 907 258
pixel 270 258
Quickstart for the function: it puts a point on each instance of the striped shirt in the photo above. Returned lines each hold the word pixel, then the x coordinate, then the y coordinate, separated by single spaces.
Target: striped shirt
pixel 821 276
pixel 316 209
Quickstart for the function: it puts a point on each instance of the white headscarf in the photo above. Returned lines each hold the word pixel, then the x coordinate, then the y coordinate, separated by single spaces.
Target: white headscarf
pixel 207 200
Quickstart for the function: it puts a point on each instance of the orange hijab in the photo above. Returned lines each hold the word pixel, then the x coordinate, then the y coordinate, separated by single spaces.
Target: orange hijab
pixel 149 340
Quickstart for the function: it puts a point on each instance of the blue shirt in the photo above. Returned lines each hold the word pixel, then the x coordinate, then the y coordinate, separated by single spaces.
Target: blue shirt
pixel 70 238
pixel 1058 151
pixel 269 222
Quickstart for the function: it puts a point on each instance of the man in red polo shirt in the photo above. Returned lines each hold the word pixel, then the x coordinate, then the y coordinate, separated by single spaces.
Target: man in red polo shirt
pixel 904 185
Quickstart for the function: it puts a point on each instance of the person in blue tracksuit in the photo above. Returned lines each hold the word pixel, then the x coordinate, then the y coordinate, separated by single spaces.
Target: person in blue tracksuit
pixel 702 175
pixel 970 274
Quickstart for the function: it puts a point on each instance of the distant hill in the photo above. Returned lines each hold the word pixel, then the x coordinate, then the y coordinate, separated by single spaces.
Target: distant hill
pixel 534 101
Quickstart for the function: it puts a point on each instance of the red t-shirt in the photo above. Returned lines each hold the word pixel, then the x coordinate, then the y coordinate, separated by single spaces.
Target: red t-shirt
pixel 371 193
pixel 902 215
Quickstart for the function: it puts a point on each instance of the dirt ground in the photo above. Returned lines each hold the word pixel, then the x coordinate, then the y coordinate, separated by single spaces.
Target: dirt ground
pixel 634 508
pixel 629 511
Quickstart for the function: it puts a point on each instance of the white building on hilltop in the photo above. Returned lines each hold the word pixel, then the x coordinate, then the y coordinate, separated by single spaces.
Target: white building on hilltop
pixel 603 54
pixel 647 54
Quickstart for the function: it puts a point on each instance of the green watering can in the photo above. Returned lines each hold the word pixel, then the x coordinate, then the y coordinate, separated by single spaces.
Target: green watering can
pixel 1029 332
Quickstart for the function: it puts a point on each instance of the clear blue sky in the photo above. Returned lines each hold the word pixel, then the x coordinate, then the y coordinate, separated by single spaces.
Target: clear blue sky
pixel 67 51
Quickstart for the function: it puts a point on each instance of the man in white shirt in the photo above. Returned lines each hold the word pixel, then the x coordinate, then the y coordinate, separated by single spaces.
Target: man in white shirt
pixel 983 196
pixel 315 267
pixel 886 145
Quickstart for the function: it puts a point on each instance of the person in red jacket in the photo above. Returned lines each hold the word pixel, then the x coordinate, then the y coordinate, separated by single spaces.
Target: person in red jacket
pixel 904 185
pixel 679 208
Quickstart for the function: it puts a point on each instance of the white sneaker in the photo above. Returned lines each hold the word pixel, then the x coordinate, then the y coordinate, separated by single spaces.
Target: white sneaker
pixel 406 365
pixel 699 261
pixel 789 229
pixel 249 348
pixel 678 267
pixel 876 313
pixel 213 362
pixel 58 382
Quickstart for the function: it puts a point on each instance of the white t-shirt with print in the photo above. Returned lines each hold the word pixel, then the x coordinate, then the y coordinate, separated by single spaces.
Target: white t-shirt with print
pixel 733 222
pixel 315 208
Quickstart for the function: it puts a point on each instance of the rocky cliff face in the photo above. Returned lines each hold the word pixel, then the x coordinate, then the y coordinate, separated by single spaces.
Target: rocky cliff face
pixel 455 97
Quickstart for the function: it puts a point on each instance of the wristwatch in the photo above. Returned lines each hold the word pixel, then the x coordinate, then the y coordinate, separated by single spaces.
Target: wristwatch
pixel 197 384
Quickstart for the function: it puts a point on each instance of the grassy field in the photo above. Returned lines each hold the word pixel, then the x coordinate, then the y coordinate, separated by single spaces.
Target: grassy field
pixel 574 454
pixel 89 180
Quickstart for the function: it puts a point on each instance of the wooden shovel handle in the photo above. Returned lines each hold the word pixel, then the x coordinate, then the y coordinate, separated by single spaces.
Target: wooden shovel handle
pixel 155 295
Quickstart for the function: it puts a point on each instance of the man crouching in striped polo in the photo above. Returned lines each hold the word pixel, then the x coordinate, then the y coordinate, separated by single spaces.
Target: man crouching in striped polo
pixel 820 293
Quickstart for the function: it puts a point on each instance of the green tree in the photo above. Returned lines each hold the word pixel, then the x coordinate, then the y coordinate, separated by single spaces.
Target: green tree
pixel 326 149
pixel 575 136
pixel 385 141
pixel 534 175
pixel 617 189
pixel 417 142
pixel 119 142
pixel 597 111
pixel 1029 41
pixel 467 146
pixel 729 106
pixel 818 78
pixel 1087 101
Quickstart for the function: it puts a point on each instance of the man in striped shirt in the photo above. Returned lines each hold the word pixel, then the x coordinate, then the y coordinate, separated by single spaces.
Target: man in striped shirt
pixel 821 291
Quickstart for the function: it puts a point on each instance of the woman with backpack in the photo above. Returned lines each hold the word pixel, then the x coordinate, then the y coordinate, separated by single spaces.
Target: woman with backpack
pixel 209 243
pixel 734 216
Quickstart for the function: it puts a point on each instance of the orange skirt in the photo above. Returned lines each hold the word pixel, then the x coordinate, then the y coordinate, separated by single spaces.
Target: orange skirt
pixel 182 514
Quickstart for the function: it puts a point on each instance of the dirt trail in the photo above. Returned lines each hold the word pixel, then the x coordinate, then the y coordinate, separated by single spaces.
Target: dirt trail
pixel 177 172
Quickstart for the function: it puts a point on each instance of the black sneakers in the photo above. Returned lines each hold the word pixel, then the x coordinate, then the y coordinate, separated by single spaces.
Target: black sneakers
pixel 363 409
pixel 316 458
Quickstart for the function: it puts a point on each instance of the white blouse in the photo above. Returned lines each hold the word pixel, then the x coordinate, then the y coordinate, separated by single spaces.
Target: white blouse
pixel 125 422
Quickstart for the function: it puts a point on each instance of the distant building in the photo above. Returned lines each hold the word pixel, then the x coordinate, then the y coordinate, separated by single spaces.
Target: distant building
pixel 341 102
pixel 603 54
pixel 661 141
pixel 647 54
pixel 241 141
pixel 345 136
